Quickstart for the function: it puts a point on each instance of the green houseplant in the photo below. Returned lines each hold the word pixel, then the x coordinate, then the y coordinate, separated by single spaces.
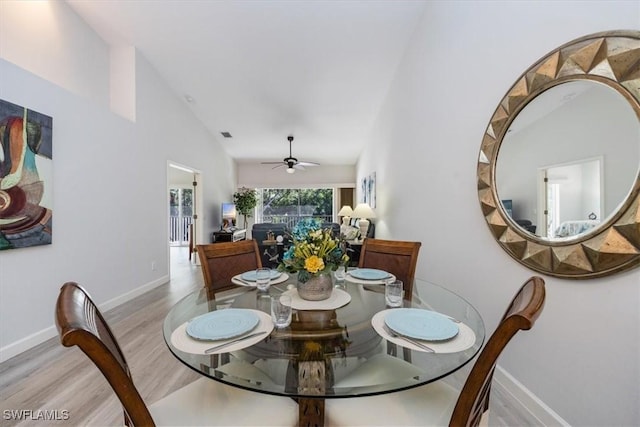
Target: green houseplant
pixel 245 200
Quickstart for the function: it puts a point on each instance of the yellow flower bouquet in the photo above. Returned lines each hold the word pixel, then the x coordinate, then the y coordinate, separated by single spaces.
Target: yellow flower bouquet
pixel 314 251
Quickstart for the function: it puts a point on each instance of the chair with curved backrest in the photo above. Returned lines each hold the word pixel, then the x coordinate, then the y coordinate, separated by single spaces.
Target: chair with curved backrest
pixel 394 256
pixel 437 403
pixel 203 402
pixel 221 261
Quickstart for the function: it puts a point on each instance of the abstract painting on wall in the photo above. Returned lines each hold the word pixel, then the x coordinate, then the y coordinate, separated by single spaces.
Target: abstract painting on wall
pixel 364 184
pixel 26 177
pixel 372 190
pixel 368 190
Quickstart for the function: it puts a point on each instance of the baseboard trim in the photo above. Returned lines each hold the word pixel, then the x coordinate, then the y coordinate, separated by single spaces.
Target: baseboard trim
pixel 527 401
pixel 24 344
pixel 112 303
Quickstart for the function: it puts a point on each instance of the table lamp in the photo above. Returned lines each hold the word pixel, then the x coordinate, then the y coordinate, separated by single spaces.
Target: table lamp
pixel 345 213
pixel 364 212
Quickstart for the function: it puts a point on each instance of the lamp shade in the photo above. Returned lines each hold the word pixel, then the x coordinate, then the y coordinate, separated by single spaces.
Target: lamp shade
pixel 346 211
pixel 363 210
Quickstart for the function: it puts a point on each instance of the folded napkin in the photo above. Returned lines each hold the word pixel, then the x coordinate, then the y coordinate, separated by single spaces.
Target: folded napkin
pixel 183 342
pixel 238 280
pixel 464 340
pixel 337 299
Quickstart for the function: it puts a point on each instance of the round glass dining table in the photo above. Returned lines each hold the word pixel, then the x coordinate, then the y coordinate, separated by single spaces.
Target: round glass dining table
pixel 329 353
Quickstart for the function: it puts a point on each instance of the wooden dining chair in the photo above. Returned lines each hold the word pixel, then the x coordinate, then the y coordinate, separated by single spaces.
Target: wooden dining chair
pixel 221 261
pixel 437 403
pixel 204 402
pixel 394 256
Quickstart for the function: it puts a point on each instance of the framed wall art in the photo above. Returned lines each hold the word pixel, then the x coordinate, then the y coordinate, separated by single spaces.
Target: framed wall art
pixel 26 157
pixel 368 190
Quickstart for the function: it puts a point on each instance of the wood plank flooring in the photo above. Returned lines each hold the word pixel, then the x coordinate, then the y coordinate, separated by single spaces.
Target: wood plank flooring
pixel 55 378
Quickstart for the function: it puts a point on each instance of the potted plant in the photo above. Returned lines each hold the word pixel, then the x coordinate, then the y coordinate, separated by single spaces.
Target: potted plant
pixel 314 255
pixel 245 200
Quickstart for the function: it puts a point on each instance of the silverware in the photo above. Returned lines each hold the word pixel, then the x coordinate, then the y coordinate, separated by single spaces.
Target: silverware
pixel 453 319
pixel 246 282
pixel 407 339
pixel 227 344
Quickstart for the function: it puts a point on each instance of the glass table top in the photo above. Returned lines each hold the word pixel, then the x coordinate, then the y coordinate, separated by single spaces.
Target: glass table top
pixel 345 348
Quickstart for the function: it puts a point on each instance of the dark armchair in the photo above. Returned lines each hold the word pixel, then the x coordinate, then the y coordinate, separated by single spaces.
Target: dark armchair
pixel 271 252
pixel 334 227
pixel 527 225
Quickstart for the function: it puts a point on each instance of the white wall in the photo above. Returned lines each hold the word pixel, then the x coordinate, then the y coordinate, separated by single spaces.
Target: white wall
pixel 583 356
pixel 264 176
pixel 110 174
pixel 42 37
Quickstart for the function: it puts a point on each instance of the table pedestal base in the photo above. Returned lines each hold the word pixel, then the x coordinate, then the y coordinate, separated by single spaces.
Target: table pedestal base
pixel 311 380
pixel 310 412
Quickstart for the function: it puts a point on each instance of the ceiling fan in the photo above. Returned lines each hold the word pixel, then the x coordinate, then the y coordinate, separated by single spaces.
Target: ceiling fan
pixel 291 163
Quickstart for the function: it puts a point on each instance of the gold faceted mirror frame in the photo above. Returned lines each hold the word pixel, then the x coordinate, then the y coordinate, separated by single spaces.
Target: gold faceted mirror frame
pixel 612 58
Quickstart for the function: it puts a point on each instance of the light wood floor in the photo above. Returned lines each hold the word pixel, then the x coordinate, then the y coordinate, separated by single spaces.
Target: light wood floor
pixel 52 377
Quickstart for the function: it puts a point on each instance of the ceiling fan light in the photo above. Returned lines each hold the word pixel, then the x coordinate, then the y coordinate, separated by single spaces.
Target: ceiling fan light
pixel 291 170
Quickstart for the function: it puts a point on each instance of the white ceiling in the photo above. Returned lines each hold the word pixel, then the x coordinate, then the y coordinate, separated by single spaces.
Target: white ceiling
pixel 262 70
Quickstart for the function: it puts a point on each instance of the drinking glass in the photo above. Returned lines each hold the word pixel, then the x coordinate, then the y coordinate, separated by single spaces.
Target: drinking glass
pixel 393 293
pixel 263 279
pixel 281 310
pixel 340 274
pixel 263 302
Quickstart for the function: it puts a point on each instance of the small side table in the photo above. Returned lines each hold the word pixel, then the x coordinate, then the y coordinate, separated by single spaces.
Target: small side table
pixel 228 236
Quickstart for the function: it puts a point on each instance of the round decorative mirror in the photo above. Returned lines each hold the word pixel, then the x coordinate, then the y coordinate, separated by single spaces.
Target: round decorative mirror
pixel 559 165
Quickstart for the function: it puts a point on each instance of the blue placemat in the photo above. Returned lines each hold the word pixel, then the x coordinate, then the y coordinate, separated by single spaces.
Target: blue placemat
pixel 421 324
pixel 222 324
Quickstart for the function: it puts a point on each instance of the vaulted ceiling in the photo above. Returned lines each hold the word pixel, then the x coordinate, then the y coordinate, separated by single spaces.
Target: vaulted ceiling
pixel 263 70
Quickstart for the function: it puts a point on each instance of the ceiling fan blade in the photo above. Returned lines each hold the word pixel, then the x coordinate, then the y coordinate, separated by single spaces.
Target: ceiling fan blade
pixel 291 163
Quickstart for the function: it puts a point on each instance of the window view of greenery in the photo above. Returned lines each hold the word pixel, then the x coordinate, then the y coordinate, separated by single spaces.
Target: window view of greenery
pixel 180 214
pixel 286 205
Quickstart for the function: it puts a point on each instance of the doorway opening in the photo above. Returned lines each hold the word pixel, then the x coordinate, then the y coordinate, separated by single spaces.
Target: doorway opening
pixel 180 216
pixel 184 195
pixel 569 194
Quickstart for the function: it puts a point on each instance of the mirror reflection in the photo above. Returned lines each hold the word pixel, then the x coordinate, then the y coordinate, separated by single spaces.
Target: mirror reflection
pixel 569 160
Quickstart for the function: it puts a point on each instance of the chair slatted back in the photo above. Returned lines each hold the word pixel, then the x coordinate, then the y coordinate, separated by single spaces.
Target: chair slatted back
pixel 397 257
pixel 221 261
pixel 80 323
pixel 521 314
